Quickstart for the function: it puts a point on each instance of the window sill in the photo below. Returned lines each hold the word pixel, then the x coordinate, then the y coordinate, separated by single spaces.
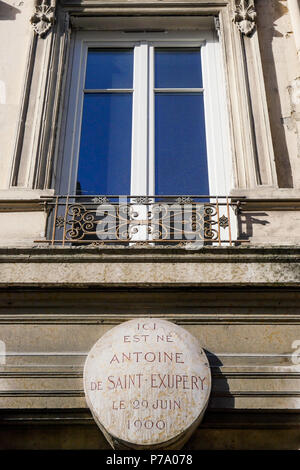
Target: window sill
pixel 86 267
pixel 23 200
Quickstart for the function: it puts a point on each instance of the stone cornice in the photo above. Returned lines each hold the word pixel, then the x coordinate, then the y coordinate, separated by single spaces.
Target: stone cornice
pixel 58 254
pixel 269 204
pixel 17 205
pixel 234 419
pixel 24 200
pixel 84 5
pixel 132 7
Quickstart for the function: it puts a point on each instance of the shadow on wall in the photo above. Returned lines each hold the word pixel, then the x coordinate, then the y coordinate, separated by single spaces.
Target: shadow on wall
pixel 220 397
pixel 8 12
pixel 246 221
pixel 267 14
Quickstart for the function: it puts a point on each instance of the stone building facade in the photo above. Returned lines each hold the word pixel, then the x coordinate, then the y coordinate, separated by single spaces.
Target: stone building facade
pixel 236 287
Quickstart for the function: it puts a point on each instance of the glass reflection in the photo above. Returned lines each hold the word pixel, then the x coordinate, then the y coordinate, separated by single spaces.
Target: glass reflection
pixel 105 150
pixel 178 68
pixel 180 145
pixel 109 68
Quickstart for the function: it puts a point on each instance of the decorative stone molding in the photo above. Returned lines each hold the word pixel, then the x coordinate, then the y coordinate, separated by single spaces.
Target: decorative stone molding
pixel 43 18
pixel 244 16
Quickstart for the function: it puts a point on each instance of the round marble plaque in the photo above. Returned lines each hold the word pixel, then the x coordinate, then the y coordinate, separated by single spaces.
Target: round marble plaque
pixel 147 383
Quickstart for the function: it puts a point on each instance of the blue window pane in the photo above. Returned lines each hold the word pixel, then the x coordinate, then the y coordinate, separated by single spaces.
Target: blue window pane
pixel 109 68
pixel 178 68
pixel 105 150
pixel 180 146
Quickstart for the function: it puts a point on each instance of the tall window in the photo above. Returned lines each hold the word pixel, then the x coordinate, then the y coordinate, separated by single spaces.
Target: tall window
pixel 146 116
pixel 161 146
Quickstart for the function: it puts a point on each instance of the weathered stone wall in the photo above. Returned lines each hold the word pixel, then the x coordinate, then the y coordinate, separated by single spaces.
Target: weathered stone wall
pixel 281 68
pixel 15 34
pixel 247 334
pixel 242 303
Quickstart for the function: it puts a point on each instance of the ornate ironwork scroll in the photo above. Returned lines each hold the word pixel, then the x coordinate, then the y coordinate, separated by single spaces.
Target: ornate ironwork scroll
pixel 140 220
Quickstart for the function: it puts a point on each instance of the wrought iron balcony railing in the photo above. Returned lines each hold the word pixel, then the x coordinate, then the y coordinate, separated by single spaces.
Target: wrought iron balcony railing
pixel 141 220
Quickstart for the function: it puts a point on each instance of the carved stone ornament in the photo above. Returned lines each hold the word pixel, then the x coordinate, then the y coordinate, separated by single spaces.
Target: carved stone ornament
pixel 43 18
pixel 244 16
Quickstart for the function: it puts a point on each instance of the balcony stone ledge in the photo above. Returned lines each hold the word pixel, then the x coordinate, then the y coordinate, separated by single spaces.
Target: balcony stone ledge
pixel 146 267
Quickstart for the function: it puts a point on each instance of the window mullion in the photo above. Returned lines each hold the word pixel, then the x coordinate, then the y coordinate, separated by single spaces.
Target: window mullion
pixel 151 124
pixel 138 229
pixel 139 121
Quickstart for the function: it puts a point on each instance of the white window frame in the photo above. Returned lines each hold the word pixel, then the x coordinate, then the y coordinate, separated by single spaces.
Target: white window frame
pixel 142 169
